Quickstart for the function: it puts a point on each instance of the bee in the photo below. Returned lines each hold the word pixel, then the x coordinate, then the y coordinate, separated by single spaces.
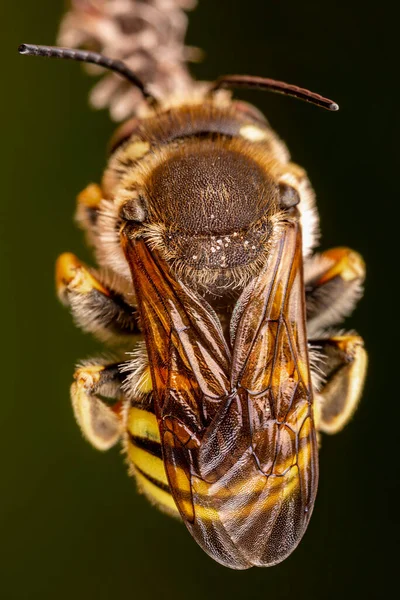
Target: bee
pixel 205 233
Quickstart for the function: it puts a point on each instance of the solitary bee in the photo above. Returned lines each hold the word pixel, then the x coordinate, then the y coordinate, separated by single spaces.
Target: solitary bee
pixel 205 231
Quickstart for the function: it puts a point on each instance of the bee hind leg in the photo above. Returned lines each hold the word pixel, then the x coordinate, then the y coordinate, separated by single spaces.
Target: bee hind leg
pixel 341 364
pixel 96 307
pixel 98 403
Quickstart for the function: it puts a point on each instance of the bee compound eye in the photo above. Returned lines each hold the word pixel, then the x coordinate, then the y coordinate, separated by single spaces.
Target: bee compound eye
pixel 288 196
pixel 133 210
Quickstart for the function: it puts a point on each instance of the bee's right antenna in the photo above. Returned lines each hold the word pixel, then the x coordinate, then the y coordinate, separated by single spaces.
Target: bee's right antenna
pixel 89 57
pixel 233 81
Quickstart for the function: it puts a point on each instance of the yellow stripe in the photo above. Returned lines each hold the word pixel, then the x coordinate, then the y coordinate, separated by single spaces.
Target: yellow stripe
pixel 154 467
pixel 142 423
pixel 162 497
pixel 149 464
pixel 205 513
pixel 285 488
pixel 156 494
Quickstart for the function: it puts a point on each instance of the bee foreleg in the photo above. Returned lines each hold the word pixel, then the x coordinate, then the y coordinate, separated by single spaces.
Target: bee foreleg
pixel 96 308
pixel 333 282
pixel 87 211
pixel 97 401
pixel 342 364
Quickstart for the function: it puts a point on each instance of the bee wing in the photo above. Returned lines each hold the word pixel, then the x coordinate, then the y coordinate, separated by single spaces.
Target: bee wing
pixel 241 464
pixel 274 484
pixel 190 362
pixel 257 465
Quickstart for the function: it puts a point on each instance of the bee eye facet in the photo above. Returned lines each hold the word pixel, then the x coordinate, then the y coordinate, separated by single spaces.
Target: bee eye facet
pixel 133 210
pixel 288 196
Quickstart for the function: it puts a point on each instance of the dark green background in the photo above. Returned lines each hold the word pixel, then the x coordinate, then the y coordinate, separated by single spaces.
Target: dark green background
pixel 72 524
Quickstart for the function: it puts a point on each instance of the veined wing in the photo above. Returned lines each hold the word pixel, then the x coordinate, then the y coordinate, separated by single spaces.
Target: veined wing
pixel 275 482
pixel 190 362
pixel 240 456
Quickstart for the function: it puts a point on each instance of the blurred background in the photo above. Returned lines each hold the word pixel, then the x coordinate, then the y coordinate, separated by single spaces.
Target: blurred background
pixel 71 522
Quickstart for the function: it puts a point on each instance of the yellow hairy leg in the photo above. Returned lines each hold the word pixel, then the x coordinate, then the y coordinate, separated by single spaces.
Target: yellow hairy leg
pixel 96 307
pixel 73 277
pixel 101 423
pixel 346 263
pixel 344 370
pixel 87 210
pixel 333 282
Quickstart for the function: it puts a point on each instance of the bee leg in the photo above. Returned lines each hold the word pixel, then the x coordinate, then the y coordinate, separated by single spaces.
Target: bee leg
pixel 100 420
pixel 333 282
pixel 342 368
pixel 87 211
pixel 96 308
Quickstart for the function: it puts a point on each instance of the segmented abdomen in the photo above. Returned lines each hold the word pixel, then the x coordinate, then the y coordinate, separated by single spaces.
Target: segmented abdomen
pixel 145 457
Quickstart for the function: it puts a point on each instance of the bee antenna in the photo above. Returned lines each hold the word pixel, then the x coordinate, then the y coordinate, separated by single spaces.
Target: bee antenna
pixel 280 87
pixel 88 57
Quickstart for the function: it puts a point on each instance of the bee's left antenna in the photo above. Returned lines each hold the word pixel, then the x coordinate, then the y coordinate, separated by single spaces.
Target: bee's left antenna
pixel 118 66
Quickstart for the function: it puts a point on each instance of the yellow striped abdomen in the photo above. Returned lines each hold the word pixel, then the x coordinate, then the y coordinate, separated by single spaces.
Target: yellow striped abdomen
pixel 145 456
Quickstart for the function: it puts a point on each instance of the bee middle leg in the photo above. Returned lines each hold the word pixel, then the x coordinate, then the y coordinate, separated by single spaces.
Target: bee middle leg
pixel 333 282
pixel 95 306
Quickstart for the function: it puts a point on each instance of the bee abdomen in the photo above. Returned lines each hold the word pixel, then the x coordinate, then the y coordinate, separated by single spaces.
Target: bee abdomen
pixel 145 456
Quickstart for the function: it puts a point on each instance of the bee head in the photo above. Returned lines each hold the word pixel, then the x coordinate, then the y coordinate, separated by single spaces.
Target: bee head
pixel 204 187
